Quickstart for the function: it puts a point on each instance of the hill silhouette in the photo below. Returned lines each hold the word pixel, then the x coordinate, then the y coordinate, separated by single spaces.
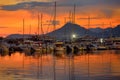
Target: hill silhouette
pixel 66 32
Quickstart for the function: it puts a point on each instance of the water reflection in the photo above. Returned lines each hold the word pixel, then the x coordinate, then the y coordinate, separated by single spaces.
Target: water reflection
pixel 97 65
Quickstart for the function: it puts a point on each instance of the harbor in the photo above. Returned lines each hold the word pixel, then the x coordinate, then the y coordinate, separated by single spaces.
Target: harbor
pixel 59 40
pixel 49 45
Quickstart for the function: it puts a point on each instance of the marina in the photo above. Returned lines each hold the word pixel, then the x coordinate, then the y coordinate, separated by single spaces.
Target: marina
pixel 59 40
pixel 46 46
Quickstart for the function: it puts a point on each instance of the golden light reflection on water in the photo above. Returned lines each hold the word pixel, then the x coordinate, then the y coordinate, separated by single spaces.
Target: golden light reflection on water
pixel 98 65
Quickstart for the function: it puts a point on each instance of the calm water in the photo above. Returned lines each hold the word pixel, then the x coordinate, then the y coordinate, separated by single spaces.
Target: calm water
pixel 99 65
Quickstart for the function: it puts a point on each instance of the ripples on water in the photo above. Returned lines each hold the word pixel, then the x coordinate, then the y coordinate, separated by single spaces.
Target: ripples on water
pixel 100 65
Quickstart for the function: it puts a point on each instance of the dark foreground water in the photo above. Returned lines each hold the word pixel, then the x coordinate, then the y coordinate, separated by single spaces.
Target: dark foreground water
pixel 98 65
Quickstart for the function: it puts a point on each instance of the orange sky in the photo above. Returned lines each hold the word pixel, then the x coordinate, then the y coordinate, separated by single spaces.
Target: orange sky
pixel 11 20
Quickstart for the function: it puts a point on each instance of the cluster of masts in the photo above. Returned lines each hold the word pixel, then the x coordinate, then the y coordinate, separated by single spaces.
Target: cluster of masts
pixel 72 19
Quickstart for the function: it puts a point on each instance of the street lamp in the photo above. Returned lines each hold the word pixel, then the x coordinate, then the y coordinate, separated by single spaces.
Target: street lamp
pixel 101 40
pixel 73 36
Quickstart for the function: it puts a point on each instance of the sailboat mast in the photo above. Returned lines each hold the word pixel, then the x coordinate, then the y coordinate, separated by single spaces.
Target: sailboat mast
pixel 111 30
pixel 65 29
pixel 38 24
pixel 89 21
pixel 103 30
pixel 23 29
pixel 42 32
pixel 70 17
pixel 30 30
pixel 54 21
pixel 74 14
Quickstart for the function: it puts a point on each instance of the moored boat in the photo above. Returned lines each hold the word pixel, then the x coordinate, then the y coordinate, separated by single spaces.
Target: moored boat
pixel 59 46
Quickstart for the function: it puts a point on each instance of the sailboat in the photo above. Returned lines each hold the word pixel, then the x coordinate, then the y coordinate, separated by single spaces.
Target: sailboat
pixel 4 48
pixel 25 46
pixel 58 46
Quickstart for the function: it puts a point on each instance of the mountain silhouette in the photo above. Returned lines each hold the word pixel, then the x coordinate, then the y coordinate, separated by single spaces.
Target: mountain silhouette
pixel 69 29
pixel 66 32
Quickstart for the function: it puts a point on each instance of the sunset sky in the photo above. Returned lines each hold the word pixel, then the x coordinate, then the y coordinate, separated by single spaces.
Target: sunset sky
pixel 12 13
